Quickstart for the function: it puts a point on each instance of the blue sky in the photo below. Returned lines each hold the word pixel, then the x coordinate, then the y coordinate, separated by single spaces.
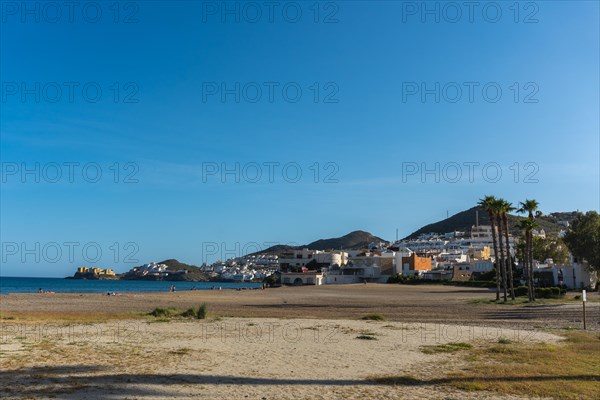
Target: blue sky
pixel 175 66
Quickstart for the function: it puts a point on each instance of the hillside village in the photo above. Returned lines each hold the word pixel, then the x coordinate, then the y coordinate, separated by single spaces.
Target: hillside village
pixel 453 256
pixel 456 256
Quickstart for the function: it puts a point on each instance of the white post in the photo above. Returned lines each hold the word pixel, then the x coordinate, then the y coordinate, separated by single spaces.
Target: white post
pixel 584 300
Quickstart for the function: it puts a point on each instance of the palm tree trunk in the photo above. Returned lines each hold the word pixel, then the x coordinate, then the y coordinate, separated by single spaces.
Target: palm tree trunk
pixel 508 258
pixel 491 215
pixel 526 267
pixel 531 265
pixel 530 255
pixel 501 263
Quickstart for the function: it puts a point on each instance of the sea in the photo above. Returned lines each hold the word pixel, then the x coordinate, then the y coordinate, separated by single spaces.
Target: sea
pixel 60 285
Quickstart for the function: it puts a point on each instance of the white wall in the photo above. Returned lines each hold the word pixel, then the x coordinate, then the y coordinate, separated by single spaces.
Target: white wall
pixel 341 279
pixel 575 276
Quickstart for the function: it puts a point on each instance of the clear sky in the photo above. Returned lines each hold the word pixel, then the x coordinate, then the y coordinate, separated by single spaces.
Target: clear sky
pixel 161 97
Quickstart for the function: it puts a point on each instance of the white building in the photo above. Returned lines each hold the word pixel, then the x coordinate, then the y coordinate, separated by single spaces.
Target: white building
pixel 476 266
pixel 541 233
pixel 575 276
pixel 302 278
pixel 300 258
pixel 481 232
pixel 356 273
pixel 151 268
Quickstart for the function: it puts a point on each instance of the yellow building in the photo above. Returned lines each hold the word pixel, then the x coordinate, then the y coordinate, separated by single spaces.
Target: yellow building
pixel 96 271
pixel 108 272
pixel 481 254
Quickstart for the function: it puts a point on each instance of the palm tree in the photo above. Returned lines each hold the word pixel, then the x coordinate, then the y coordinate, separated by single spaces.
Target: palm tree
pixel 487 203
pixel 528 226
pixel 505 209
pixel 497 208
pixel 529 207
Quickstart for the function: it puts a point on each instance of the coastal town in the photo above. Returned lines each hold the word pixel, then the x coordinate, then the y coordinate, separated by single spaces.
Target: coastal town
pixel 466 257
pixel 453 256
pixel 300 200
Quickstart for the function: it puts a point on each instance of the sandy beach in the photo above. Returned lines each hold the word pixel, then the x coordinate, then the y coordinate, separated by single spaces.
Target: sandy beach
pixel 405 303
pixel 236 358
pixel 285 343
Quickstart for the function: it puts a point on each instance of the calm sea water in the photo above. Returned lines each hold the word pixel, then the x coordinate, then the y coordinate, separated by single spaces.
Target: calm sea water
pixel 59 285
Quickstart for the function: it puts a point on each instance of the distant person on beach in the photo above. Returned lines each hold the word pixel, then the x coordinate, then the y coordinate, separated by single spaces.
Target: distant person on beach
pixel 40 290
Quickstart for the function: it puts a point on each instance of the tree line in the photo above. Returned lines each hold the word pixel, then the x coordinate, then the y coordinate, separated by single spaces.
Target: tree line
pixel 582 239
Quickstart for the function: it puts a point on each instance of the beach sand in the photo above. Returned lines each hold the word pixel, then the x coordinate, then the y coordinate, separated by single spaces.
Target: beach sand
pixel 407 303
pixel 236 358
pixel 285 343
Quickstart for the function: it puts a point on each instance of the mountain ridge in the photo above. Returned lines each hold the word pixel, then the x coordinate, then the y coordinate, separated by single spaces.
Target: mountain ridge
pixel 464 220
pixel 351 241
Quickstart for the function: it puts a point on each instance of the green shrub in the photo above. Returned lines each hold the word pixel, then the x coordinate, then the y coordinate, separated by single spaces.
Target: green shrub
pixel 543 293
pixel 366 337
pixel 521 291
pixel 374 317
pixel 189 313
pixel 486 284
pixel 161 312
pixel 549 293
pixel 272 280
pixel 202 312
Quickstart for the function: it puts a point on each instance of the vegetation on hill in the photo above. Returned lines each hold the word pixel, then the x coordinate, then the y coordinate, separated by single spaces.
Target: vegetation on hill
pixel 464 220
pixel 352 241
pixel 192 274
pixel 175 265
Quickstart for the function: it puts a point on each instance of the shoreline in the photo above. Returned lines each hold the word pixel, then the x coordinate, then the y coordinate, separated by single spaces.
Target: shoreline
pixel 12 286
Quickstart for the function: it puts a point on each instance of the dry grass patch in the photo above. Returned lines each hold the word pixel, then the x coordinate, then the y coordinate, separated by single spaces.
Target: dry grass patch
pixel 373 317
pixel 181 351
pixel 79 317
pixel 568 370
pixel 445 348
pixel 524 301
